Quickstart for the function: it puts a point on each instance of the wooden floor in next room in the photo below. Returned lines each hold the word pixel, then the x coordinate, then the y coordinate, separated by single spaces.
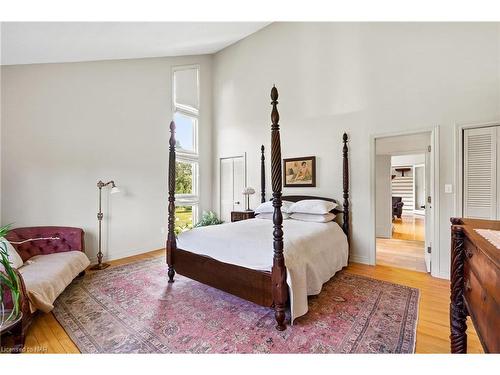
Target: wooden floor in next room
pixel 433 321
pixel 406 247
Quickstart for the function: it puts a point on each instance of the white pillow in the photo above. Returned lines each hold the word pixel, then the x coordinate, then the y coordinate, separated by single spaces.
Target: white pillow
pixel 269 216
pixel 313 206
pixel 14 258
pixel 314 218
pixel 267 207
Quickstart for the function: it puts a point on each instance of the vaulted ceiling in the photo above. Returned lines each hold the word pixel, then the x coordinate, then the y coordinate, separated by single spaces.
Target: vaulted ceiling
pixel 51 42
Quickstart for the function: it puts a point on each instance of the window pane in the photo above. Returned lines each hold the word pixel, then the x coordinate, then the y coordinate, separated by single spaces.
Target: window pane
pixel 184 132
pixel 184 178
pixel 183 218
pixel 186 88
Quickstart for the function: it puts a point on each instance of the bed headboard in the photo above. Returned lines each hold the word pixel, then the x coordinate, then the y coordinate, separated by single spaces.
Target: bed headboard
pixel 342 208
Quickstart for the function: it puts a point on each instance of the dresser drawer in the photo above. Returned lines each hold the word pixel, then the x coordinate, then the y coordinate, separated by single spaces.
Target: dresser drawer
pixel 484 310
pixel 483 268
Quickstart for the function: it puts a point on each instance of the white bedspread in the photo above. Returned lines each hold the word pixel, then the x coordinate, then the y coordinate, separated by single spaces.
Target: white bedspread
pixel 314 252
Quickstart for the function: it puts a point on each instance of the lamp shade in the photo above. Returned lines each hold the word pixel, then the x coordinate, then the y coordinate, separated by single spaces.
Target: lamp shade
pixel 114 190
pixel 248 191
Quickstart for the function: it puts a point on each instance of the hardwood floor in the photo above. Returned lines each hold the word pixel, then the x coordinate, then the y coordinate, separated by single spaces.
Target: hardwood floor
pixel 47 336
pixel 433 327
pixel 409 227
pixel 401 253
pixel 406 247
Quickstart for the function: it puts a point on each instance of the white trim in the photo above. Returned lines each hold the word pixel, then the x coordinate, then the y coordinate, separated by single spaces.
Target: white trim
pixel 417 211
pixel 196 119
pixel 355 258
pixel 121 254
pixel 436 244
pixel 435 264
pixel 458 151
pixel 195 181
pixel 186 156
pixel 186 108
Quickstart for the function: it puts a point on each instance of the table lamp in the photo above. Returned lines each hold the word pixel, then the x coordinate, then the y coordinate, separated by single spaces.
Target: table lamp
pixel 247 192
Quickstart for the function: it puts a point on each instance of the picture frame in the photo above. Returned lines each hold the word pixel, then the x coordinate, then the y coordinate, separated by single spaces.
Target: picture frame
pixel 299 172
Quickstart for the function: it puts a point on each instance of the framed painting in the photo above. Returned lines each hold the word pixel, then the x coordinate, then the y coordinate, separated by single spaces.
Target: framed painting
pixel 299 172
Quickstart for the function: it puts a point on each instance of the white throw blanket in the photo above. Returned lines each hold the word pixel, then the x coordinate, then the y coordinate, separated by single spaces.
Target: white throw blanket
pixel 314 252
pixel 46 276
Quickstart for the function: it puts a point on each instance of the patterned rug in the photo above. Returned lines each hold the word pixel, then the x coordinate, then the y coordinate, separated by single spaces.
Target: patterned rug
pixel 132 309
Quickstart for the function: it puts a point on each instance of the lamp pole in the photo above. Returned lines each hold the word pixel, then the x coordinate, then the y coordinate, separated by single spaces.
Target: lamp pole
pixel 100 265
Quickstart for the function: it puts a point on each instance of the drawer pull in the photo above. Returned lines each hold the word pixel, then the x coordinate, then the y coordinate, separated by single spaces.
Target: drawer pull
pixel 469 253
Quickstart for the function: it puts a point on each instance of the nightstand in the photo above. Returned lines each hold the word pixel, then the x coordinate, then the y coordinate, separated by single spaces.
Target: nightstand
pixel 241 215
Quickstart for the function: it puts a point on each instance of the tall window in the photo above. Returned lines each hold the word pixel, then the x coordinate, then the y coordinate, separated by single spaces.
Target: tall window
pixel 185 98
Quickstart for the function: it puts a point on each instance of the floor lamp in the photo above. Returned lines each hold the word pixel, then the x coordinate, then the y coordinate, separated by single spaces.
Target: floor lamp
pixel 100 265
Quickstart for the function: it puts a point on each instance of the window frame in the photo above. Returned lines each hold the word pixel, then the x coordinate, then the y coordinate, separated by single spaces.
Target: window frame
pixel 181 151
pixel 182 107
pixel 186 156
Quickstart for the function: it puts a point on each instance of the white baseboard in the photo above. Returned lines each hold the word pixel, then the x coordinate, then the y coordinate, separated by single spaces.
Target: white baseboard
pixel 442 275
pixel 120 255
pixel 355 258
pixel 384 231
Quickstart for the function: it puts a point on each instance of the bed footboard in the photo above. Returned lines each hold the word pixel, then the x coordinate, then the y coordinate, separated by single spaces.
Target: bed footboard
pixel 251 285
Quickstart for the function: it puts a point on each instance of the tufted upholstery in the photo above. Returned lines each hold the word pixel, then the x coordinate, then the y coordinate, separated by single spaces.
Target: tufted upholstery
pixel 69 239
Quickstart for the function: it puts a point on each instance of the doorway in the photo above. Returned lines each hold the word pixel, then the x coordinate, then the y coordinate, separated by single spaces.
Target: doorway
pixel 404 186
pixel 232 182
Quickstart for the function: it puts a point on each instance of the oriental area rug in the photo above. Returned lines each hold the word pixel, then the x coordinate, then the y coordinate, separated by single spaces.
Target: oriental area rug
pixel 132 309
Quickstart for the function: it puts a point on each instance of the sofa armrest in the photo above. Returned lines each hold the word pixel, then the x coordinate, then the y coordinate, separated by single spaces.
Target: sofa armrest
pixel 70 239
pixel 24 305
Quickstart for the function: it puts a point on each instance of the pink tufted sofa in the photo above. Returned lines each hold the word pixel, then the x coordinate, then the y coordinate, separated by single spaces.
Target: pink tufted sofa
pixel 70 240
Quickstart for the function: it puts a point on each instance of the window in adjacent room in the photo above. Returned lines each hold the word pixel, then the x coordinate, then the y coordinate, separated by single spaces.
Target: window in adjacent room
pixel 185 101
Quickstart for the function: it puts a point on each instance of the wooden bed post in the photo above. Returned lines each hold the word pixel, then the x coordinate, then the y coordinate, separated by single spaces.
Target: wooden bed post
pixel 262 175
pixel 279 287
pixel 458 309
pixel 345 221
pixel 171 240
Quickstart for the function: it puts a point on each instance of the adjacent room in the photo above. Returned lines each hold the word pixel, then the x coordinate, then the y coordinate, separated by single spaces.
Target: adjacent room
pixel 249 187
pixel 404 187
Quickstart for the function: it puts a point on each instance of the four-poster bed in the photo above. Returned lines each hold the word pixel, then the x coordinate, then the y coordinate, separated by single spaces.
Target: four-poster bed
pixel 264 286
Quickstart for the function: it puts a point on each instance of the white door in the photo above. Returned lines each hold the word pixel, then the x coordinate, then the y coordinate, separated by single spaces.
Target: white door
pixel 232 183
pixel 419 189
pixel 429 200
pixel 481 199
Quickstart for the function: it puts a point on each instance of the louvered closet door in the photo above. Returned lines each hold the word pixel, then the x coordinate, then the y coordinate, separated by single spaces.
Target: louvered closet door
pixel 481 173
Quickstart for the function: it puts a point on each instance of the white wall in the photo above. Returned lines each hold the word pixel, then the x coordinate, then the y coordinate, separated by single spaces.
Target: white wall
pixel 366 79
pixel 383 196
pixel 405 160
pixel 65 126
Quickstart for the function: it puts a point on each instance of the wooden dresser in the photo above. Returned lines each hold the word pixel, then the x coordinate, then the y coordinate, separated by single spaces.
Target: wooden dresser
pixel 475 285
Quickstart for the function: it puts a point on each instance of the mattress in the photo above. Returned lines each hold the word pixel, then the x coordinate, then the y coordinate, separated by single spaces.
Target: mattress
pixel 313 252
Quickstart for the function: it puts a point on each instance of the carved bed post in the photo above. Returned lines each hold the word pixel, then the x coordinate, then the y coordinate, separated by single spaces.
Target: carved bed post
pixel 458 313
pixel 262 175
pixel 171 240
pixel 345 158
pixel 279 287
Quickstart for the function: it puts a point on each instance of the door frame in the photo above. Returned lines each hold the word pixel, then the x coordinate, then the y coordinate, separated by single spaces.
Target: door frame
pixel 419 211
pixel 459 157
pixel 372 255
pixel 244 156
